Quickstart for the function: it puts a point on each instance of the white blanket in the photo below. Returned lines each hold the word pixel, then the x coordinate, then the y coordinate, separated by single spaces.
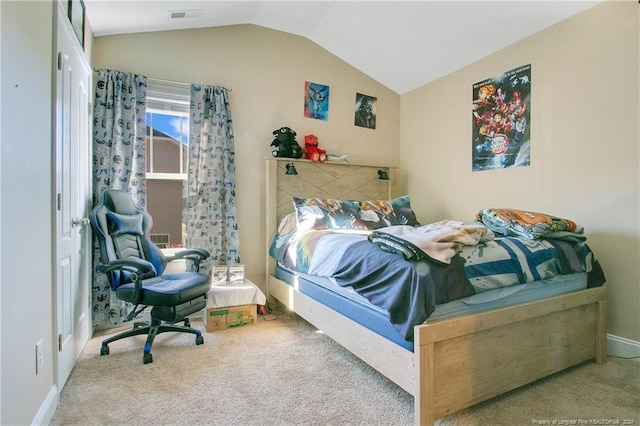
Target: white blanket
pixel 441 240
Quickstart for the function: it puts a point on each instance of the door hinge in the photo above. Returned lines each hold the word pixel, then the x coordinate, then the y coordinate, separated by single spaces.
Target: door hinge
pixel 59 201
pixel 60 342
pixel 60 59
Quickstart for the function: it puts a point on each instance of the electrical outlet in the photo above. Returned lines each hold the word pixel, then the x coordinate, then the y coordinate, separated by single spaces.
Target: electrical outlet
pixel 39 356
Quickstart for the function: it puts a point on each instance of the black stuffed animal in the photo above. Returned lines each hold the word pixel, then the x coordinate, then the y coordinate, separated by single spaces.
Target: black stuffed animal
pixel 285 143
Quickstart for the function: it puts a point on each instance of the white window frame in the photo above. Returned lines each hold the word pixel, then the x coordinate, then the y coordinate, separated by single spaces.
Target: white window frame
pixel 168 98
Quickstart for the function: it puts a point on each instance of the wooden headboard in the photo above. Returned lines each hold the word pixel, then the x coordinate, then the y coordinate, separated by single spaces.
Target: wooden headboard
pixel 339 180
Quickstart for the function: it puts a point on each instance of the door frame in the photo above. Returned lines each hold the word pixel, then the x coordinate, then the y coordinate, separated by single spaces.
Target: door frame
pixel 63 28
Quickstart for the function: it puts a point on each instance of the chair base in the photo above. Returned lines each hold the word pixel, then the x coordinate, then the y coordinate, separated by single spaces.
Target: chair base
pixel 152 329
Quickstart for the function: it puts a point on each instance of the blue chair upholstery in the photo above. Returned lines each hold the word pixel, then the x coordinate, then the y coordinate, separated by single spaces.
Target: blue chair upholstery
pixel 134 267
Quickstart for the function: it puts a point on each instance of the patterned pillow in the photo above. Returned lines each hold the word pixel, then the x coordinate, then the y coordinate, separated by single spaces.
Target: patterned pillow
pixel 377 214
pixel 327 213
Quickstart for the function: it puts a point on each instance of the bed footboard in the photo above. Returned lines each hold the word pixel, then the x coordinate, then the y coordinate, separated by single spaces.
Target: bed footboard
pixel 466 360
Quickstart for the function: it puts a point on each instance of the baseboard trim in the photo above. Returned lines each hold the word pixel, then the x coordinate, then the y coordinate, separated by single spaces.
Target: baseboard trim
pixel 47 409
pixel 623 348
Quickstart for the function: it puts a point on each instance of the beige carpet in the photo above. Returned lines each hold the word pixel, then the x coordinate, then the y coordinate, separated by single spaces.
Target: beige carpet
pixel 284 372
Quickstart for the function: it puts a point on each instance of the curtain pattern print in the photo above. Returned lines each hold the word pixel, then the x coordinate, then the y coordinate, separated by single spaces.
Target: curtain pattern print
pixel 119 131
pixel 211 221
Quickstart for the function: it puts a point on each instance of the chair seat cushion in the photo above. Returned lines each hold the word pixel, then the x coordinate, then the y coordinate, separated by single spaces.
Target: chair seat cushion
pixel 168 290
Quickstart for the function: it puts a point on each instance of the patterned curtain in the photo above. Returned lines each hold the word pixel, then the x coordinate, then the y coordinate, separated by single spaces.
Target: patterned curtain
pixel 119 131
pixel 211 205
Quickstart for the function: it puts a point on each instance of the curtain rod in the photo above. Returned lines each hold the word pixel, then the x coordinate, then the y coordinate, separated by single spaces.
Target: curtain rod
pixel 169 81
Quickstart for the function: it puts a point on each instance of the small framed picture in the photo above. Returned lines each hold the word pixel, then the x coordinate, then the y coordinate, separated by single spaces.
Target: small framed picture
pixel 219 275
pixel 236 273
pixel 316 101
pixel 77 17
pixel 365 111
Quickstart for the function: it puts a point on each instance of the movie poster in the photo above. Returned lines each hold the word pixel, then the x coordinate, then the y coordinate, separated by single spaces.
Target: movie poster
pixel 501 121
pixel 316 101
pixel 365 111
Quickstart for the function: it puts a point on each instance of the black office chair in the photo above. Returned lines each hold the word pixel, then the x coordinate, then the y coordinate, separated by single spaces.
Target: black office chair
pixel 134 268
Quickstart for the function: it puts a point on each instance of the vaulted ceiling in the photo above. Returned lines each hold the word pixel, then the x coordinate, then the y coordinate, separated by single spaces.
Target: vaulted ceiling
pixel 401 44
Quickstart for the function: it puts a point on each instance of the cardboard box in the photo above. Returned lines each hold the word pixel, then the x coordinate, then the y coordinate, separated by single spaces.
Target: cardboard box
pixel 230 317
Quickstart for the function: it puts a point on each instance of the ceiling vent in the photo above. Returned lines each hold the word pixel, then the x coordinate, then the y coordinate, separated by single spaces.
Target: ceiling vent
pixel 179 14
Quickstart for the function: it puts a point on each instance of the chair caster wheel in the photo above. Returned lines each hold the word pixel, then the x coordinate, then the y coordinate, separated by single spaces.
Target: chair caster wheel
pixel 147 358
pixel 199 339
pixel 104 350
pixel 187 323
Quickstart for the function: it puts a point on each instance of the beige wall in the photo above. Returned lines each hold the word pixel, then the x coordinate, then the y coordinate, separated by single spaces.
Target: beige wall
pixel 266 70
pixel 584 137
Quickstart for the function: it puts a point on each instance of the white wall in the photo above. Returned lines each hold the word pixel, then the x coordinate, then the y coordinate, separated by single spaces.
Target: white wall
pixel 26 271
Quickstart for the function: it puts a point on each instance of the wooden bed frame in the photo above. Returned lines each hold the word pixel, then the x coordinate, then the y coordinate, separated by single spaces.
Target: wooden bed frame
pixel 456 363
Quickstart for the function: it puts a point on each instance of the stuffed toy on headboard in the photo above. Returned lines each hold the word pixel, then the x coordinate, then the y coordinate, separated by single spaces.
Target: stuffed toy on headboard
pixel 285 143
pixel 311 150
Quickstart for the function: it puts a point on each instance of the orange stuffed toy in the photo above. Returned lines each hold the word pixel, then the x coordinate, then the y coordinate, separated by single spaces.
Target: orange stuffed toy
pixel 311 150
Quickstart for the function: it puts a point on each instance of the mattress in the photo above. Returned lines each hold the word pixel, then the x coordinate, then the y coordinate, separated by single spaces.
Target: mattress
pixel 347 302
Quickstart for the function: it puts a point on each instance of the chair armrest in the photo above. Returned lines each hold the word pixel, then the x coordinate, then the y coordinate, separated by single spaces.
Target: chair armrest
pixel 140 267
pixel 189 253
pixel 196 255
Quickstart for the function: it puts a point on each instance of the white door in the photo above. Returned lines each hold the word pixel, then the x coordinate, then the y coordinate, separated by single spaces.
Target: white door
pixel 73 198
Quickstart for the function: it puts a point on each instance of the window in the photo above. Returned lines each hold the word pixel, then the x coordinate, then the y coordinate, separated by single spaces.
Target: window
pixel 167 147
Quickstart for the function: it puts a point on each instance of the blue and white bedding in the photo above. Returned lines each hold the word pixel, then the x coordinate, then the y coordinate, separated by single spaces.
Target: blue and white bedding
pixel 410 289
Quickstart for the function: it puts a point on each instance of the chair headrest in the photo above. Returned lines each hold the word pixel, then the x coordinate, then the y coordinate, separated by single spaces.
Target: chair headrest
pixel 126 224
pixel 119 201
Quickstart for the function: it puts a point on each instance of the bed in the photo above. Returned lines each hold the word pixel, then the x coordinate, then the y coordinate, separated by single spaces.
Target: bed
pixel 457 357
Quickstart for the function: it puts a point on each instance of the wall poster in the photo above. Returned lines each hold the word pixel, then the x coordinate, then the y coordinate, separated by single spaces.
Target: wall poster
pixel 316 101
pixel 501 121
pixel 365 111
